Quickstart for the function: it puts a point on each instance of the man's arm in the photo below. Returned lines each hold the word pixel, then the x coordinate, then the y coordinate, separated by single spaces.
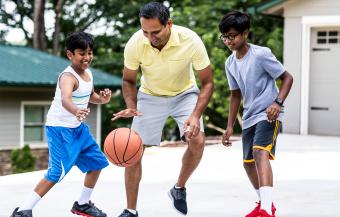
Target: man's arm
pixel 129 87
pixel 192 125
pixel 207 87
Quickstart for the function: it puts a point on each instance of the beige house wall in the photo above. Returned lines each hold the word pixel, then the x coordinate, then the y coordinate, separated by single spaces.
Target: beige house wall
pixel 295 56
pixel 292 63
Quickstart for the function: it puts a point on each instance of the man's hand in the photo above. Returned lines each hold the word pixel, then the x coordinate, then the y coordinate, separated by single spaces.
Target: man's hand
pixel 273 112
pixel 81 114
pixel 105 95
pixel 226 136
pixel 191 127
pixel 126 113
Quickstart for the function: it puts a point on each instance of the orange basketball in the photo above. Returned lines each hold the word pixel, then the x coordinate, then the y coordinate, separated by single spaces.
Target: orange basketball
pixel 123 147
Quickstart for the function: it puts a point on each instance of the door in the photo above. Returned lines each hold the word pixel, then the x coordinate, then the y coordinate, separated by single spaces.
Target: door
pixel 324 113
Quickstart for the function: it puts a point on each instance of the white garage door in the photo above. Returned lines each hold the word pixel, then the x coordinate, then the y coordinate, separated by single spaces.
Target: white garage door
pixel 324 115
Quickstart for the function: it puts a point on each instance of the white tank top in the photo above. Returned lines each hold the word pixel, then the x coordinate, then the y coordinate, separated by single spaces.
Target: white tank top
pixel 57 115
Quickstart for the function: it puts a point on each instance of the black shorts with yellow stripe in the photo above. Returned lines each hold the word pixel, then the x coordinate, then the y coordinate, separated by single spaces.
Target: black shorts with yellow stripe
pixel 262 136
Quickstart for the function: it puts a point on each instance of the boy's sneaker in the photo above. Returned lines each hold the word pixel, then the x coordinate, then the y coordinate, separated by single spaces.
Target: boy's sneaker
pixel 87 209
pixel 127 213
pixel 263 213
pixel 256 210
pixel 178 197
pixel 22 213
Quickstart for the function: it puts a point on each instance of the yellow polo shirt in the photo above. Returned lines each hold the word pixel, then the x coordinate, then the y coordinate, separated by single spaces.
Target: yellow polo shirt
pixel 170 71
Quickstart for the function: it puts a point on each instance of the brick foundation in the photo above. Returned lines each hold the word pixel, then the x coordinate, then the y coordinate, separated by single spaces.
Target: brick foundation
pixel 41 161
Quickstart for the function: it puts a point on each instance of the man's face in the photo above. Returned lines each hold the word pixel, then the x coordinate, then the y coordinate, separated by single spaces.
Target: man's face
pixel 157 33
pixel 233 39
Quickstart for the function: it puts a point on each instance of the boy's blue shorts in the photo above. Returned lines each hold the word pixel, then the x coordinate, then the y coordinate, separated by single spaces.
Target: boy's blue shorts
pixel 72 146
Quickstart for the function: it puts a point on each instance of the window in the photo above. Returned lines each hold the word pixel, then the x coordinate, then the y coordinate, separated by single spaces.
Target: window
pixel 333 37
pixel 34 120
pixel 328 37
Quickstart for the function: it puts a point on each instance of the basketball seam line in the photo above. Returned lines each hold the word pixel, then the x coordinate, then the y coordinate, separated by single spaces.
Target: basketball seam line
pixel 140 145
pixel 127 144
pixel 114 148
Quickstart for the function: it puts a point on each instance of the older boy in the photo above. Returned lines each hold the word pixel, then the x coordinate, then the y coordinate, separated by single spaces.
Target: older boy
pixel 251 71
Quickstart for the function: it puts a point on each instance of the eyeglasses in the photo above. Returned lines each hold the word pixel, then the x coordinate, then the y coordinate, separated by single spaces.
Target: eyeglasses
pixel 230 37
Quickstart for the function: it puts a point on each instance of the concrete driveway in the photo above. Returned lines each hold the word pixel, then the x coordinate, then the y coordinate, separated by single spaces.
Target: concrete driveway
pixel 306 173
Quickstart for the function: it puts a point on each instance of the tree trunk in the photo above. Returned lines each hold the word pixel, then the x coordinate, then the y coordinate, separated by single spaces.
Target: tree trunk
pixel 39 36
pixel 57 28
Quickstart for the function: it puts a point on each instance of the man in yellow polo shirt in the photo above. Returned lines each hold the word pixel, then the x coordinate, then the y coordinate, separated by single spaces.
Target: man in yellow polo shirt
pixel 166 55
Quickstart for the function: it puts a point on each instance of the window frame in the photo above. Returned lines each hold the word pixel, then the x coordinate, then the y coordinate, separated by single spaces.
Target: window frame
pixel 46 105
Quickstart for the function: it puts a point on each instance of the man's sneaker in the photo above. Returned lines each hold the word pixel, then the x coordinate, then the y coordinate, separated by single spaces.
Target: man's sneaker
pixel 255 211
pixel 22 213
pixel 263 213
pixel 178 197
pixel 87 209
pixel 127 213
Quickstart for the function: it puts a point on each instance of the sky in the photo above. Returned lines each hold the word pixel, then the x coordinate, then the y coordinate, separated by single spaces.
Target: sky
pixel 16 36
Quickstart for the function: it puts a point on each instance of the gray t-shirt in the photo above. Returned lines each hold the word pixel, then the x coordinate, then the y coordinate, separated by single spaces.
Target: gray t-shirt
pixel 255 76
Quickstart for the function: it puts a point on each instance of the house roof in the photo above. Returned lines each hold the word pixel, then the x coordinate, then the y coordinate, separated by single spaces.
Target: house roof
pixel 24 66
pixel 268 7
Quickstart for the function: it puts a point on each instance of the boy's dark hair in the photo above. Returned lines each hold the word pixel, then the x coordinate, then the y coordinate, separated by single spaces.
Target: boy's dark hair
pixel 79 40
pixel 155 10
pixel 234 19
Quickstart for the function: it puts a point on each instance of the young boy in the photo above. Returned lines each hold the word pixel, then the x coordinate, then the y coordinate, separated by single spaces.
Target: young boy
pixel 251 71
pixel 69 139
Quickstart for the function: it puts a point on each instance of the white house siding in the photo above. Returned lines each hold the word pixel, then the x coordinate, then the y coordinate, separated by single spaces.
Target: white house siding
pixel 294 10
pixel 9 122
pixel 10 113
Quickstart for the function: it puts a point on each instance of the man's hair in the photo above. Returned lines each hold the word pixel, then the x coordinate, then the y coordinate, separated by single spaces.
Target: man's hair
pixel 234 19
pixel 79 40
pixel 155 10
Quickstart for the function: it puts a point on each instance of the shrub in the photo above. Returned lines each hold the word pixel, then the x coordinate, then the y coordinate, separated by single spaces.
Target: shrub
pixel 22 160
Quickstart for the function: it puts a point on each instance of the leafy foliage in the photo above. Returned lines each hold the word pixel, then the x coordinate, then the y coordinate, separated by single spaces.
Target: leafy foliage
pixel 22 160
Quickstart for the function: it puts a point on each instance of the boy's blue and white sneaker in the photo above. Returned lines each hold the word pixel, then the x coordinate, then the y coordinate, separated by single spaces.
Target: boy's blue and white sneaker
pixel 127 213
pixel 22 213
pixel 179 201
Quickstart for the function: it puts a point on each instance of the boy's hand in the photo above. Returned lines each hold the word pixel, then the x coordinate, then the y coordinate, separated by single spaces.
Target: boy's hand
pixel 81 114
pixel 105 95
pixel 273 112
pixel 126 113
pixel 226 135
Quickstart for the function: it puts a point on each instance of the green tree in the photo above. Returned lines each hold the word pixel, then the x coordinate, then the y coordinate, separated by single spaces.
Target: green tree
pixel 120 20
